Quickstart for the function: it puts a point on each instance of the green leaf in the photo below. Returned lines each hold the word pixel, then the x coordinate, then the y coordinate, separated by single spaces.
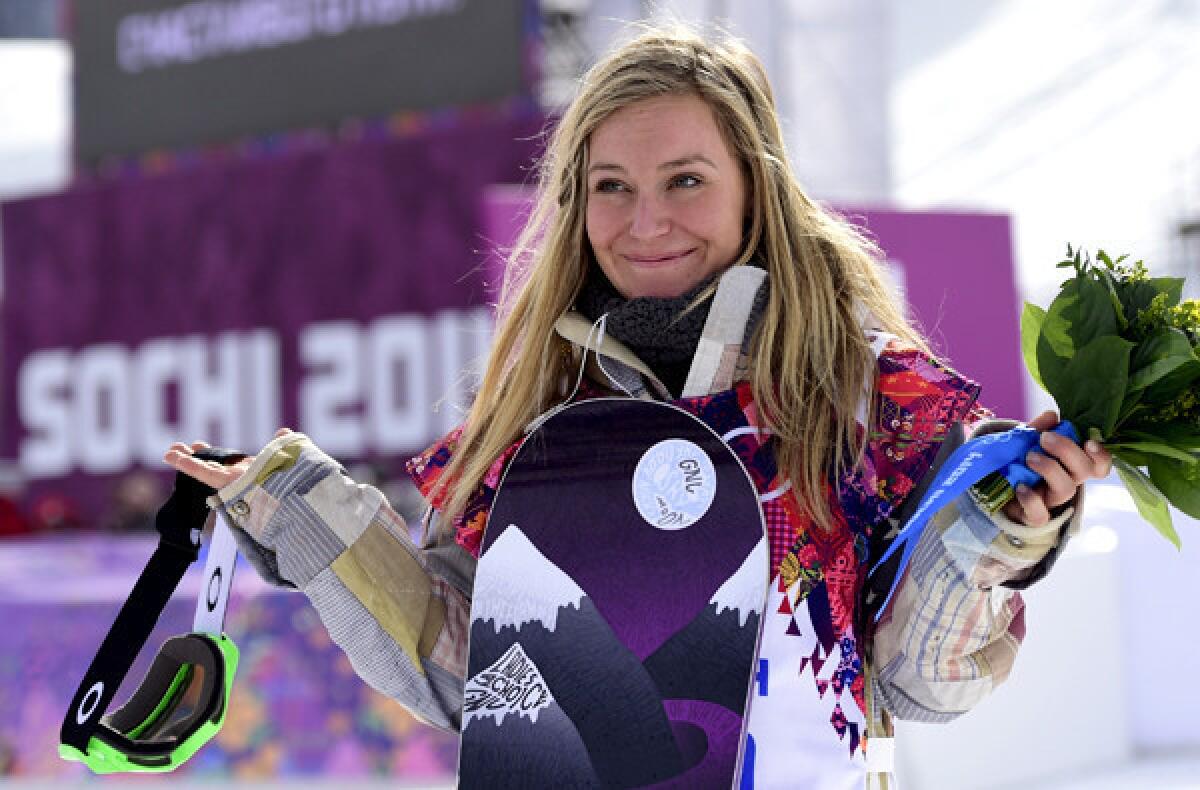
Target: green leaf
pixel 1185 436
pixel 1173 384
pixel 1159 354
pixel 1131 457
pixel 1079 314
pixel 1054 347
pixel 1093 384
pixel 1180 483
pixel 1136 296
pixel 1132 400
pixel 1032 319
pixel 1151 503
pixel 1106 279
pixel 1093 315
pixel 1056 327
pixel 1154 448
pixel 1171 286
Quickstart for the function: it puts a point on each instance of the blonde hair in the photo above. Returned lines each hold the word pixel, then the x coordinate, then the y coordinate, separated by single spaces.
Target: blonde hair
pixel 809 356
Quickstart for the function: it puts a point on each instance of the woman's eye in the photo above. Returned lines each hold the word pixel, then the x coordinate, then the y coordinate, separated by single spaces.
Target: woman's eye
pixel 608 185
pixel 686 181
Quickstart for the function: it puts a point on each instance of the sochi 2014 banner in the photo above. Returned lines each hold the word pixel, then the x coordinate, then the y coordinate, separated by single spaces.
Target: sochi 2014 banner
pixel 337 292
pixel 182 74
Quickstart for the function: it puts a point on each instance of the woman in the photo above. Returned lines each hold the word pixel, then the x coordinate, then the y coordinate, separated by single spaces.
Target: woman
pixel 673 255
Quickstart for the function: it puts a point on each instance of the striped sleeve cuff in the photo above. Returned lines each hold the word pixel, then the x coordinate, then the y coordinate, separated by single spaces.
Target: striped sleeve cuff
pixel 991 549
pixel 295 501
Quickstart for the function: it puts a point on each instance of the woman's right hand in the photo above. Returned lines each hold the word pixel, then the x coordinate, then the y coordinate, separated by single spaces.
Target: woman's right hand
pixel 212 474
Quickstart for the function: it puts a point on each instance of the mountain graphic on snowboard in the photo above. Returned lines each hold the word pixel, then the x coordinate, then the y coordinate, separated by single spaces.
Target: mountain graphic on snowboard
pixel 606 650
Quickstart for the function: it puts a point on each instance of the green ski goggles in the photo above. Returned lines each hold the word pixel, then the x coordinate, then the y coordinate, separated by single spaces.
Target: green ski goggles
pixel 182 701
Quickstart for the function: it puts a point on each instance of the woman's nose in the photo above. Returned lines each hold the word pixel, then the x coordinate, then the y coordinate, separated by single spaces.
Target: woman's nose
pixel 650 218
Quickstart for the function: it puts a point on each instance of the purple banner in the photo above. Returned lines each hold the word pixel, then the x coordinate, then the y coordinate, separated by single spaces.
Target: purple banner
pixel 337 292
pixel 954 269
pixel 958 274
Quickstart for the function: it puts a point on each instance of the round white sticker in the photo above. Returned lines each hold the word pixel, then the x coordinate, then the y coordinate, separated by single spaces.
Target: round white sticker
pixel 674 484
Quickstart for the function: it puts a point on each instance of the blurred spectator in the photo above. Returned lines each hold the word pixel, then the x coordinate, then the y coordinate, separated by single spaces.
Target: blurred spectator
pixel 54 511
pixel 8 758
pixel 136 500
pixel 12 490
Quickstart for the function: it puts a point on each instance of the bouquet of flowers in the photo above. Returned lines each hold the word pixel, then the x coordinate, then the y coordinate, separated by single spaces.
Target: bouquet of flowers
pixel 1119 352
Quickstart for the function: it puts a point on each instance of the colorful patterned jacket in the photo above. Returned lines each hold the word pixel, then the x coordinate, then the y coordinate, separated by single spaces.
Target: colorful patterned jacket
pixel 401 611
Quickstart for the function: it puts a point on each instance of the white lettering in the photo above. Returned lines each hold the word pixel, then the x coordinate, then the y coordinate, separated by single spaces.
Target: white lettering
pixel 399 403
pixel 102 422
pixel 211 397
pixel 963 467
pixel 44 408
pixel 331 390
pixel 260 369
pixel 207 29
pixel 389 387
pixel 107 407
pixel 156 367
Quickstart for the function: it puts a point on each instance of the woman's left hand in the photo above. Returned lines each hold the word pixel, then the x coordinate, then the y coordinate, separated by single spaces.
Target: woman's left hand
pixel 1063 465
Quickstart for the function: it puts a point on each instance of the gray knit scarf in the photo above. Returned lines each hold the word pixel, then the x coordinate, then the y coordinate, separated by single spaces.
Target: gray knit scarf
pixel 656 329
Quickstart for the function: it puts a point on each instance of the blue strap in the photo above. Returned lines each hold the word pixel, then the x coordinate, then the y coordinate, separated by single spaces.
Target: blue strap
pixel 965 467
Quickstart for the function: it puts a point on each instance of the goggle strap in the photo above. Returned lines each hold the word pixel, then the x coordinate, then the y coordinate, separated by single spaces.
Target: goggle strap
pixel 128 634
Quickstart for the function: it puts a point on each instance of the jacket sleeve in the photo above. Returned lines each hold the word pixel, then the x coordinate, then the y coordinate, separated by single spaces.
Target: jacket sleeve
pixel 399 611
pixel 955 625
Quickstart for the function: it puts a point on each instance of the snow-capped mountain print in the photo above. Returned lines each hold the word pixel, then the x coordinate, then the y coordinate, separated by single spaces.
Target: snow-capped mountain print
pixel 710 658
pixel 504 595
pixel 643 638
pixel 613 715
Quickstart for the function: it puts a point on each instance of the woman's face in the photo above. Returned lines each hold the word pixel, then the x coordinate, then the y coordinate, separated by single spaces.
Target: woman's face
pixel 666 197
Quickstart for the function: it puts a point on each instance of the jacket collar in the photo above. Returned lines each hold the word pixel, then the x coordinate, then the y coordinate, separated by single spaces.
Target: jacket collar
pixel 721 354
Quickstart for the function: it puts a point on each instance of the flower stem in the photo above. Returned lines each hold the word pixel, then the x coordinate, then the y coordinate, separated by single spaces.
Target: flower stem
pixel 994 492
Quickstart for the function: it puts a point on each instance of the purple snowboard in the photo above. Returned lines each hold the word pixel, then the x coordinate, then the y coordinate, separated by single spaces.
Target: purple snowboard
pixel 615 618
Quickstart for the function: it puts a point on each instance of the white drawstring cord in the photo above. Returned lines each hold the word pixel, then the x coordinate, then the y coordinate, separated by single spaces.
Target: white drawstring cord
pixel 603 323
pixel 596 331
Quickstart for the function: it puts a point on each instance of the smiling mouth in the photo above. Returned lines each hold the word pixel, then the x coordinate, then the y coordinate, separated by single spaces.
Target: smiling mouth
pixel 658 260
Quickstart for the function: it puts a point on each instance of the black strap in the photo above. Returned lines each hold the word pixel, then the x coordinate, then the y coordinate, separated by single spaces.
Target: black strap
pixel 179 523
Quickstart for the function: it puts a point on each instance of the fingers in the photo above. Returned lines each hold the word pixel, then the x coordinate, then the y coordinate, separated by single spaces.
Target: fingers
pixel 1088 462
pixel 1059 485
pixel 1102 459
pixel 1029 507
pixel 181 457
pixel 1044 421
pixel 1063 466
pixel 208 472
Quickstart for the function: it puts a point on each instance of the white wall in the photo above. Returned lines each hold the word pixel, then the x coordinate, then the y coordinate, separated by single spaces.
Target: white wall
pixel 1079 118
pixel 34 116
pixel 34 119
pixel 828 64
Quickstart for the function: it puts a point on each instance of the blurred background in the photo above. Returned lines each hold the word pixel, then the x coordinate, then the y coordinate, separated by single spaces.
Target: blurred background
pixel 222 216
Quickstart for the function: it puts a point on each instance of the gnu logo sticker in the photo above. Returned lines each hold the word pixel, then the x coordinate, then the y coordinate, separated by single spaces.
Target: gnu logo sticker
pixel 674 484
